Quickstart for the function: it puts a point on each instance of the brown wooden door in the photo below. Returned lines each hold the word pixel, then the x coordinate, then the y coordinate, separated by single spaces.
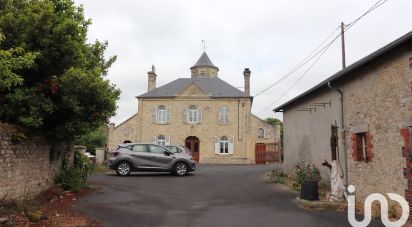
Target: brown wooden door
pixel 193 144
pixel 260 153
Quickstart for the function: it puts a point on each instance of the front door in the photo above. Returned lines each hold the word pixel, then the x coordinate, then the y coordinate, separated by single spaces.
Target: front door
pixel 192 143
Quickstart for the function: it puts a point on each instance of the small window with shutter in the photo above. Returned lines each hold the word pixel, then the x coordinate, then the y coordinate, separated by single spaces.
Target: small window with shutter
pixel 362 146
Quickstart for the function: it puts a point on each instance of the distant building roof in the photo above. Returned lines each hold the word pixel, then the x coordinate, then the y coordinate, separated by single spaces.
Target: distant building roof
pixel 204 60
pixel 351 68
pixel 214 87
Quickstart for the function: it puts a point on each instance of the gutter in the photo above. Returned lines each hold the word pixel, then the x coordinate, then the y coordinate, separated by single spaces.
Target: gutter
pixel 342 126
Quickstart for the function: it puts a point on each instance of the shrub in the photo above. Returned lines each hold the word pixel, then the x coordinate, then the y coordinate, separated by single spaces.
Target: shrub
pixel 305 172
pixel 74 177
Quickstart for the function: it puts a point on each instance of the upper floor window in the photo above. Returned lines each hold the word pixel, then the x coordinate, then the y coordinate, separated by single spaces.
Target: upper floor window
pixel 161 114
pixel 193 114
pixel 263 133
pixel 224 115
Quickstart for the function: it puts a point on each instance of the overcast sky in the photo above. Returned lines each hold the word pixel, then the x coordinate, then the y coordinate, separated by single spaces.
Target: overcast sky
pixel 268 36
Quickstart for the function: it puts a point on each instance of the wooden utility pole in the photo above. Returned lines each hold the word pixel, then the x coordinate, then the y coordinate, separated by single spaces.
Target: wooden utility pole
pixel 342 31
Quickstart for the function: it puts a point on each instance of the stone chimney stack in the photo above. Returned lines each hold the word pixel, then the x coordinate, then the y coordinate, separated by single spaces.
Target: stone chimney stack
pixel 246 74
pixel 151 79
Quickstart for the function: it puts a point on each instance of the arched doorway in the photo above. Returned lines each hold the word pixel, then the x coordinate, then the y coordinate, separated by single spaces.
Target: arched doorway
pixel 193 144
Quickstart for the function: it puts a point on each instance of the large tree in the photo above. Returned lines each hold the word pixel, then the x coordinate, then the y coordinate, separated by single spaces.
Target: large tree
pixel 53 80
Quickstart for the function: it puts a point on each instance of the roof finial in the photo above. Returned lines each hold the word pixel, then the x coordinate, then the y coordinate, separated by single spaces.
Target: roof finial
pixel 204 45
pixel 153 68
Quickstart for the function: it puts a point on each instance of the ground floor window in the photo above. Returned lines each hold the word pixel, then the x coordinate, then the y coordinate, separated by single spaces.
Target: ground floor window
pixel 224 145
pixel 162 140
pixel 362 146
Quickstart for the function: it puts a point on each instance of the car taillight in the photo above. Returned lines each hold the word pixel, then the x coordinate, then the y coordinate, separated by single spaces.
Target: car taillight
pixel 115 153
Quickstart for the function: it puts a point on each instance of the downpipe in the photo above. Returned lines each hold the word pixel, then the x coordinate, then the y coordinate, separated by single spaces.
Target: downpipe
pixel 342 126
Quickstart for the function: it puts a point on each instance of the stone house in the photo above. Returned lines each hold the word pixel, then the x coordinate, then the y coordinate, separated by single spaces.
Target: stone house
pixel 375 110
pixel 204 113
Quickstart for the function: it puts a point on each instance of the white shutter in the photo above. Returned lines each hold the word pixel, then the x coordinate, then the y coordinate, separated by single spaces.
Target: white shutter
pixel 185 114
pixel 154 114
pixel 217 146
pixel 167 140
pixel 168 113
pixel 231 145
pixel 199 114
pixel 154 141
pixel 266 133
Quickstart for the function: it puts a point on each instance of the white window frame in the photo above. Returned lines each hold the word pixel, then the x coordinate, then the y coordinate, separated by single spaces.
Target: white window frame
pixel 162 140
pixel 224 145
pixel 161 114
pixel 193 114
pixel 261 133
pixel 224 115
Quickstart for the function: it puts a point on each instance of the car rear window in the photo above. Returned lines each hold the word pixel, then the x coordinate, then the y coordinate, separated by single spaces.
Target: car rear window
pixel 139 148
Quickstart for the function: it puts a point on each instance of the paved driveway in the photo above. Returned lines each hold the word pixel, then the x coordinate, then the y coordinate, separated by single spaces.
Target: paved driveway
pixel 215 195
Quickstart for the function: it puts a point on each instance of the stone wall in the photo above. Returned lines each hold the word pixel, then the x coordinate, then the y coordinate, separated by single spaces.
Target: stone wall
pixel 26 165
pixel 378 102
pixel 307 133
pixel 124 131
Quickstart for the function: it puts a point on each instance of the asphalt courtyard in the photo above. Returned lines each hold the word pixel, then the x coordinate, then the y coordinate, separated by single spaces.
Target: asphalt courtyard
pixel 214 195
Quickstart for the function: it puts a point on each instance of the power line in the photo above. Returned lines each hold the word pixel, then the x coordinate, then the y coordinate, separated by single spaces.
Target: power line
pixel 301 64
pixel 311 55
pixel 321 51
pixel 299 78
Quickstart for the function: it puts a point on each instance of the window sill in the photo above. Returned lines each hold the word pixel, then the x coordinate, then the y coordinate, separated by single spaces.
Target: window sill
pixel 193 123
pixel 223 123
pixel 161 123
pixel 224 154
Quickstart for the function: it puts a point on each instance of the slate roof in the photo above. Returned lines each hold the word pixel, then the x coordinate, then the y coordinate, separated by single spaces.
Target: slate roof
pixel 344 72
pixel 215 87
pixel 204 60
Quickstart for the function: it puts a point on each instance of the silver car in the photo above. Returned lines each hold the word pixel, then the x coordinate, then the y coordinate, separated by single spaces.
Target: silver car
pixel 129 157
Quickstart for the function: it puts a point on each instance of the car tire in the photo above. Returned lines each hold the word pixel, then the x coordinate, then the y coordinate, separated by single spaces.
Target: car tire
pixel 123 168
pixel 180 169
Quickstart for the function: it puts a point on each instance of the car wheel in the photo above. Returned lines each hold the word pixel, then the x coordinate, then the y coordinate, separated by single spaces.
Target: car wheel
pixel 123 168
pixel 180 169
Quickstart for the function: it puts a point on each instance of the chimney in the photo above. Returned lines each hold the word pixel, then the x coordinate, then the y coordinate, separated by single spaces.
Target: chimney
pixel 246 74
pixel 151 79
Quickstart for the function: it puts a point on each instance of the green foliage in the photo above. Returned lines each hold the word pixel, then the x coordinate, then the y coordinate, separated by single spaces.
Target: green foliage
pixel 93 139
pixel 303 172
pixel 274 121
pixel 74 177
pixel 52 80
pixel 12 60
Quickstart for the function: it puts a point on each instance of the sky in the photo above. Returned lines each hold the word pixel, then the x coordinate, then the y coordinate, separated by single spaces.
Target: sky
pixel 268 36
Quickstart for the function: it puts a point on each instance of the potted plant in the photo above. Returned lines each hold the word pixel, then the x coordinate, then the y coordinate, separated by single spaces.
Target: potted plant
pixel 308 177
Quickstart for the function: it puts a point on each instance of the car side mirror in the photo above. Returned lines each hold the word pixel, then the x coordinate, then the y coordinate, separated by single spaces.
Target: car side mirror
pixel 167 153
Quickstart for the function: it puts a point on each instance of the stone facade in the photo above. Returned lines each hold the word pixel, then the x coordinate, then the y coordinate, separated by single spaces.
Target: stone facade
pixel 241 130
pixel 26 166
pixel 377 107
pixel 378 102
pixel 124 131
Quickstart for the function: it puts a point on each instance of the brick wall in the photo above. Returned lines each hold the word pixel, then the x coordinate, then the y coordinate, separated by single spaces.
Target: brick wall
pixel 407 172
pixel 27 167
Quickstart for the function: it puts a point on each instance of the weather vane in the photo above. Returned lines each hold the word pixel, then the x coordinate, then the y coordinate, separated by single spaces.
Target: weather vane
pixel 204 45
